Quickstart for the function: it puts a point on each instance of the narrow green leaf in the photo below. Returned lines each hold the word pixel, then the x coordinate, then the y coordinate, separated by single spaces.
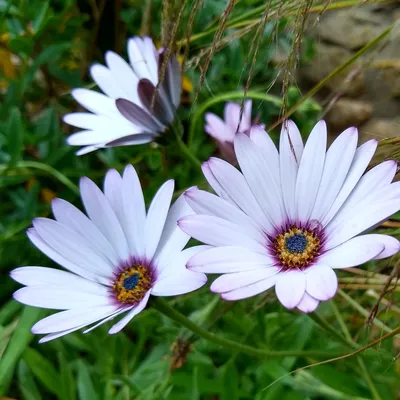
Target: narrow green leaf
pixel 85 384
pixel 68 386
pixel 230 382
pixel 41 16
pixel 26 383
pixel 17 345
pixel 43 369
pixel 15 136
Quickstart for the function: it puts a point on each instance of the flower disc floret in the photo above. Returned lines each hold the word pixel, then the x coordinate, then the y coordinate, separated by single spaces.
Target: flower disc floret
pixel 297 248
pixel 132 284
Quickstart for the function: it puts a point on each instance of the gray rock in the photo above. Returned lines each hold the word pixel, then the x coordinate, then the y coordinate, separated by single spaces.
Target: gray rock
pixel 348 112
pixel 326 59
pixel 351 28
pixel 380 129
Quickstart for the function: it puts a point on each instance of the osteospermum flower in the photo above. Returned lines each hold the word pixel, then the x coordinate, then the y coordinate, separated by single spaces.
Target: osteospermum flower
pixel 116 257
pixel 130 111
pixel 291 218
pixel 224 131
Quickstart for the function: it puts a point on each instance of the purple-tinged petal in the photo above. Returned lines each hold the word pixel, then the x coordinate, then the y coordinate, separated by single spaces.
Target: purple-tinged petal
pixel 354 252
pixel 228 259
pixel 310 171
pixel 307 303
pixel 250 290
pixel 132 313
pixel 290 287
pixel 321 283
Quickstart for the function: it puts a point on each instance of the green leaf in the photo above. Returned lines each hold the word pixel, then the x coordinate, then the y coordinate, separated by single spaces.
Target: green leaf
pixel 17 345
pixel 41 17
pixel 15 136
pixel 43 370
pixel 26 383
pixel 68 390
pixel 85 384
pixel 230 382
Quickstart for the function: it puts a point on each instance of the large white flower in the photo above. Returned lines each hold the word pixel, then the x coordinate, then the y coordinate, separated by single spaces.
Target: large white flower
pixel 117 256
pixel 129 112
pixel 291 218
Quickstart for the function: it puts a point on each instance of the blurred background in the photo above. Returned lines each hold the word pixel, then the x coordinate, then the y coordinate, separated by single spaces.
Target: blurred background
pixel 303 59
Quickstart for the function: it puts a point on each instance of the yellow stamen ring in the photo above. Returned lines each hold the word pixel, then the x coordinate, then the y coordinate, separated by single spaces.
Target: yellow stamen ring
pixel 132 284
pixel 296 248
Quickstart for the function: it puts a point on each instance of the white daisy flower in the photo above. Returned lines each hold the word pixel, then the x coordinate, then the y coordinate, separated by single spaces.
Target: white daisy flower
pixel 124 115
pixel 291 218
pixel 224 131
pixel 117 256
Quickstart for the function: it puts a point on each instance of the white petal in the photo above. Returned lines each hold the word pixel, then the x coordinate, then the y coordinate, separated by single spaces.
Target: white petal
pixel 354 252
pixel 307 303
pixel 367 189
pixel 100 212
pixel 360 162
pixel 57 335
pixel 173 239
pixel 291 150
pixel 229 282
pixel 83 138
pixel 96 102
pixel 35 276
pixel 310 171
pixel 208 204
pixel 235 186
pixel 77 268
pixel 142 59
pixel 88 149
pixel 70 216
pixel 100 123
pixel 134 211
pixel 151 55
pixel 176 279
pixel 361 220
pixel 109 318
pixel 322 282
pixel 74 247
pixel 219 232
pixel 156 218
pixel 106 81
pixel 231 117
pixel 124 77
pixel 260 178
pixel 135 311
pixel 62 297
pixel 268 150
pixel 175 266
pixel 337 164
pixel 70 319
pixel 250 290
pixel 216 128
pixel 113 192
pixel 290 287
pixel 392 245
pixel 213 182
pixel 227 259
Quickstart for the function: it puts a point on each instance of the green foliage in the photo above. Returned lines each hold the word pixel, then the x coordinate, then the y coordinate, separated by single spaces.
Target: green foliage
pixel 48 47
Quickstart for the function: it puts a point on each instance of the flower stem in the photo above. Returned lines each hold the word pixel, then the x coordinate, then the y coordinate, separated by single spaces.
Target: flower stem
pixel 176 127
pixel 164 308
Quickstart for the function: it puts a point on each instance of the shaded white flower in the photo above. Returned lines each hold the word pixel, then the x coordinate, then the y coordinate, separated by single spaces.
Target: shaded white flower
pixel 291 218
pixel 125 115
pixel 116 257
pixel 224 131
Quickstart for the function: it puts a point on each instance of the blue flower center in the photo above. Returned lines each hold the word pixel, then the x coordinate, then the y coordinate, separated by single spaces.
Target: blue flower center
pixel 131 282
pixel 296 243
